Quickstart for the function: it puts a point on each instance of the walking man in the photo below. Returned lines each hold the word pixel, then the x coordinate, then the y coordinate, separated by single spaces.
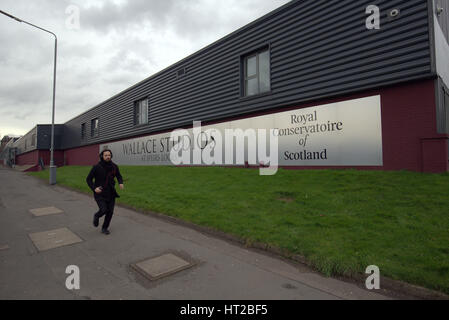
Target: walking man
pixel 103 187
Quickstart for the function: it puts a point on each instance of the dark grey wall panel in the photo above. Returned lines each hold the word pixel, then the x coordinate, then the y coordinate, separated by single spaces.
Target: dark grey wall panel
pixel 44 136
pixel 319 48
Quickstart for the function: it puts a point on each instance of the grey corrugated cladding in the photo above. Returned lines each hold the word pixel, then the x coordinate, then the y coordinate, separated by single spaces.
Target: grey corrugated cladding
pixel 319 48
pixel 443 18
pixel 24 143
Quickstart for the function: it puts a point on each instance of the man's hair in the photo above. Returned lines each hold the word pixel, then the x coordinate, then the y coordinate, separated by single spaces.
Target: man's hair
pixel 101 154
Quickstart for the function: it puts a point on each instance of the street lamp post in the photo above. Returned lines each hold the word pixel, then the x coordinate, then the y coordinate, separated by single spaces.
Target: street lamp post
pixel 52 163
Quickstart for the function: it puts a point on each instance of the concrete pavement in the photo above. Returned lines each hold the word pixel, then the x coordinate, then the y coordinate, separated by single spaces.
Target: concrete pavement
pixel 222 270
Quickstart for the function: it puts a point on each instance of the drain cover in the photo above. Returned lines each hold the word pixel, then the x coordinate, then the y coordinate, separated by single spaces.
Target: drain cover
pixel 161 266
pixel 54 239
pixel 45 211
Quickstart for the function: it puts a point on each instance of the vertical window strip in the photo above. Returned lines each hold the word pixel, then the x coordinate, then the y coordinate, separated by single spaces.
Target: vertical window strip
pixel 261 70
pixel 141 112
pixel 94 127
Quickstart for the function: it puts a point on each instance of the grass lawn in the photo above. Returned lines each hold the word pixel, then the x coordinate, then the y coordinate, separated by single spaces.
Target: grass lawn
pixel 341 220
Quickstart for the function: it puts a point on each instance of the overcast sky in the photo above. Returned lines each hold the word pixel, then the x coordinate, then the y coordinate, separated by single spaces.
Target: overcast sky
pixel 118 43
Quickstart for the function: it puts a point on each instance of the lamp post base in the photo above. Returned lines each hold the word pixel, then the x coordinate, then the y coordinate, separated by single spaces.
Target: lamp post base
pixel 52 175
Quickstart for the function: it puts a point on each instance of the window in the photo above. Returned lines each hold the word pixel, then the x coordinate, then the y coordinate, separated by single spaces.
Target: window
pixel 141 112
pixel 94 128
pixel 83 131
pixel 33 140
pixel 257 73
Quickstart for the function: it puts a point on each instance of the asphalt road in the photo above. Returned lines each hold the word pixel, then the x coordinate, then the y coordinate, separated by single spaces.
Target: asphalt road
pixel 222 270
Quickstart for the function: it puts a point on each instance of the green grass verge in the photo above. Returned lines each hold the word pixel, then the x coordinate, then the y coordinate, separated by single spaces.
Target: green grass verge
pixel 341 220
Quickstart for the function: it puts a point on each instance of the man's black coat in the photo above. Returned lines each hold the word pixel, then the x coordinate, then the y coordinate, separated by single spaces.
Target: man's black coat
pixel 104 174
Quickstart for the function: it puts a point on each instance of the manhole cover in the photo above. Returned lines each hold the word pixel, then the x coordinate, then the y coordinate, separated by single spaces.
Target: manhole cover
pixel 45 211
pixel 54 239
pixel 161 266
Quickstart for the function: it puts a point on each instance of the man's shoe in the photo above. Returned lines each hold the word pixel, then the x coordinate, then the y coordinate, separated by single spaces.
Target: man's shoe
pixel 105 231
pixel 96 220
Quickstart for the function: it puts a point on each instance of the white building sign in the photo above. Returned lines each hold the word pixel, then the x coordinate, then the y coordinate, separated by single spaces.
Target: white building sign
pixel 347 133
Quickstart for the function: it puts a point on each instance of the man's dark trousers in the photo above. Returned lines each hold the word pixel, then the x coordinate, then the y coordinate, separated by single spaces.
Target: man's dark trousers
pixel 106 208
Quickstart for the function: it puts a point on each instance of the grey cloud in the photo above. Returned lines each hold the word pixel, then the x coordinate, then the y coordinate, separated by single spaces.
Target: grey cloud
pixel 47 14
pixel 29 49
pixel 19 111
pixel 189 19
pixel 29 91
pixel 111 16
pixel 134 60
pixel 76 51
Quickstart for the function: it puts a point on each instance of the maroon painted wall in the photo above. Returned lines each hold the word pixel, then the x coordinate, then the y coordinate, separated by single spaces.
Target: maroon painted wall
pixel 434 155
pixel 32 158
pixel 58 157
pixel 83 156
pixel 28 158
pixel 409 129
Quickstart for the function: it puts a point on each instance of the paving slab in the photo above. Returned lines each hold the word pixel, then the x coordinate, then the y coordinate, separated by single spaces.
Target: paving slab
pixel 54 238
pixel 38 212
pixel 161 266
